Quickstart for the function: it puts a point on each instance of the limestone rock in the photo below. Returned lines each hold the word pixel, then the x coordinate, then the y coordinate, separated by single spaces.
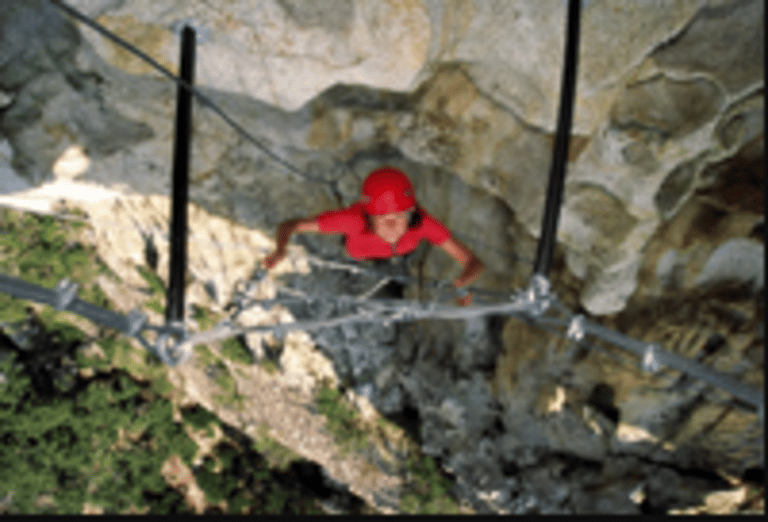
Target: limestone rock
pixel 723 502
pixel 10 181
pixel 5 99
pixel 739 261
pixel 262 49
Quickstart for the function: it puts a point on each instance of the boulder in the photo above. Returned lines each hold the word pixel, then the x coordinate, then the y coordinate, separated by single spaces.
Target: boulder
pixel 737 261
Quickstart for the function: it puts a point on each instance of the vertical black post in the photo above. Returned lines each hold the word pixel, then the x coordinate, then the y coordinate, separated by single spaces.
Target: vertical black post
pixel 178 264
pixel 548 237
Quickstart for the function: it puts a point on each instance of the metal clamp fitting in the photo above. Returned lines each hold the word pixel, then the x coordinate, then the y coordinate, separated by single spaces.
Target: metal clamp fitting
pixel 537 295
pixel 136 322
pixel 651 359
pixel 66 292
pixel 171 346
pixel 279 332
pixel 202 34
pixel 461 292
pixel 576 328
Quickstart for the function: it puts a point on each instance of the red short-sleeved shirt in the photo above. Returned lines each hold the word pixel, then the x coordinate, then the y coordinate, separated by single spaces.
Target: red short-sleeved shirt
pixel 360 244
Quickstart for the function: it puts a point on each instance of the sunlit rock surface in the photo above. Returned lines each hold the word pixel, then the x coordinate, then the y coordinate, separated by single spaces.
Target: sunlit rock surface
pixel 661 228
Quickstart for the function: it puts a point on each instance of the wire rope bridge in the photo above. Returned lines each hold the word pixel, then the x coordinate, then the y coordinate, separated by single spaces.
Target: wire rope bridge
pixel 536 304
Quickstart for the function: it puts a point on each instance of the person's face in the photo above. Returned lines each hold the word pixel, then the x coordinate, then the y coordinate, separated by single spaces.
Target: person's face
pixel 391 227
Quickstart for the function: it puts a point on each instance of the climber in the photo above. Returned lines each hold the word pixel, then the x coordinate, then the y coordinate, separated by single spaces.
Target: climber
pixel 385 223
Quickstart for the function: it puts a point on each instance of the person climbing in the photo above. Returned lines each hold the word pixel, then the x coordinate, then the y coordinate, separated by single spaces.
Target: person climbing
pixel 386 222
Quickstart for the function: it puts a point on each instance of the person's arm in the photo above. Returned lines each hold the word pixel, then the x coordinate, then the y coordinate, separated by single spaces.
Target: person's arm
pixel 284 232
pixel 473 267
pixel 287 228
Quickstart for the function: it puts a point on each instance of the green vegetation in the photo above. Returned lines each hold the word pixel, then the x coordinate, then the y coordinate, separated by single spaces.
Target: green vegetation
pixel 73 450
pixel 156 305
pixel 42 251
pixel 204 355
pixel 270 366
pixel 103 435
pixel 218 371
pixel 200 418
pixel 226 382
pixel 427 487
pixel 105 445
pixel 234 350
pixel 153 280
pixel 343 419
pixel 278 456
pixel 239 476
pixel 205 318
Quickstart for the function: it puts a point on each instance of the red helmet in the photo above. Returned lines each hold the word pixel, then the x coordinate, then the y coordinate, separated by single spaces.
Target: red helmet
pixel 387 190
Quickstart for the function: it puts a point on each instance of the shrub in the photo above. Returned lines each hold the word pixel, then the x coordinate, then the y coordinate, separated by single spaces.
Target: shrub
pixel 71 448
pixel 343 420
pixel 234 350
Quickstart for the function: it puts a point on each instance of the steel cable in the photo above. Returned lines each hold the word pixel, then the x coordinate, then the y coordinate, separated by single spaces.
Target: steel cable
pixel 63 298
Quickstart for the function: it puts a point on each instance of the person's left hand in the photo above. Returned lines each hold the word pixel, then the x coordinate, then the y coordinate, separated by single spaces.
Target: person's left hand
pixel 462 301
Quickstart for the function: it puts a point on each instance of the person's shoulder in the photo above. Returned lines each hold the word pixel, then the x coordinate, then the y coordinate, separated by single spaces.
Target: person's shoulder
pixel 428 219
pixel 432 228
pixel 356 208
pixel 345 219
pixel 354 211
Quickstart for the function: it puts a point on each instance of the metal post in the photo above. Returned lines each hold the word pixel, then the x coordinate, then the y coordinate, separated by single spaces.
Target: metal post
pixel 548 237
pixel 178 264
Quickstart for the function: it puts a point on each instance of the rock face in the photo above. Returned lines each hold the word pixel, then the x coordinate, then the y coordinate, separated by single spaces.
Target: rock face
pixel 661 227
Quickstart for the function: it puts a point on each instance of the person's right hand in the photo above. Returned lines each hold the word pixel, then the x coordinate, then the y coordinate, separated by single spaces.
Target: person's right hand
pixel 273 258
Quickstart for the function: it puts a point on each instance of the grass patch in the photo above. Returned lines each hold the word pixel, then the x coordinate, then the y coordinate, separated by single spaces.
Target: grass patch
pixel 343 421
pixel 205 318
pixel 156 284
pixel 12 309
pixel 234 350
pixel 156 305
pixel 219 373
pixel 427 488
pixel 200 418
pixel 70 449
pixel 204 355
pixel 43 251
pixel 228 386
pixel 277 455
pixel 271 366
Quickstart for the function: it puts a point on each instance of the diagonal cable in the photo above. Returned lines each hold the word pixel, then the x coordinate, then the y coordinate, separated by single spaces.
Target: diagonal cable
pixel 203 99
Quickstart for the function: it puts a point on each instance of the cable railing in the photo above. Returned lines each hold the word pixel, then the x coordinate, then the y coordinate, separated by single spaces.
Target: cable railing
pixel 174 344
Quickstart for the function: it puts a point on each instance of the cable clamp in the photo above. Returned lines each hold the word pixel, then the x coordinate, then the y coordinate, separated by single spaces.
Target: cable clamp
pixel 576 328
pixel 651 359
pixel 537 295
pixel 202 34
pixel 136 322
pixel 171 345
pixel 461 292
pixel 279 332
pixel 66 291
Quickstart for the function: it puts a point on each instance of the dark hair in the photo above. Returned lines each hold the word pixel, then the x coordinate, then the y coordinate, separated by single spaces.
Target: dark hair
pixel 416 218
